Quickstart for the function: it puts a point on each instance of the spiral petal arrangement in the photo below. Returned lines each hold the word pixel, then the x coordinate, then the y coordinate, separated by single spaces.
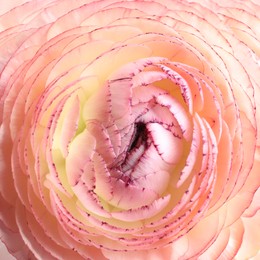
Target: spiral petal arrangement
pixel 129 129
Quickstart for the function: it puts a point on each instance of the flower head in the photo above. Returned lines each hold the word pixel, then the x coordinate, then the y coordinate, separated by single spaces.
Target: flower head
pixel 129 129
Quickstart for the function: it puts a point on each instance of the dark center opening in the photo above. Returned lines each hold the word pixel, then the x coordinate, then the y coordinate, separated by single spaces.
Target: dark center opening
pixel 137 146
pixel 139 136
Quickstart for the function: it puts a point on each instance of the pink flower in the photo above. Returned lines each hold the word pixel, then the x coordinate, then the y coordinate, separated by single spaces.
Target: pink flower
pixel 130 129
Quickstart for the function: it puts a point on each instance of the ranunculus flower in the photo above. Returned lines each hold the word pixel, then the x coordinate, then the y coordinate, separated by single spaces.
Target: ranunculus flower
pixel 130 129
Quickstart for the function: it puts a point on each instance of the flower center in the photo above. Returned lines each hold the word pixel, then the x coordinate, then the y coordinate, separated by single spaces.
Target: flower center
pixel 137 147
pixel 139 136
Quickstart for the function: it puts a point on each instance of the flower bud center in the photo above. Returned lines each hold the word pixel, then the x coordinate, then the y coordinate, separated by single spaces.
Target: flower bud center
pixel 137 147
pixel 139 136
